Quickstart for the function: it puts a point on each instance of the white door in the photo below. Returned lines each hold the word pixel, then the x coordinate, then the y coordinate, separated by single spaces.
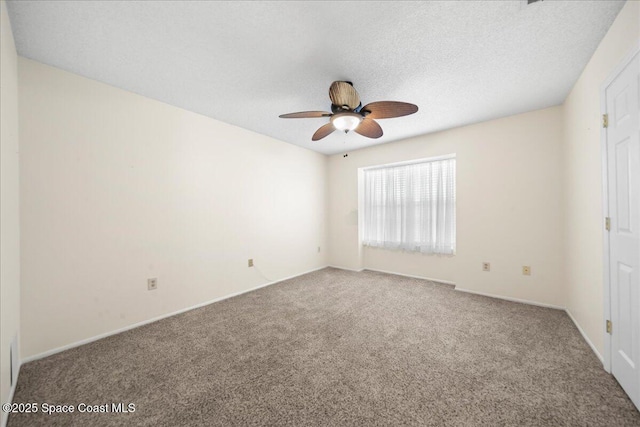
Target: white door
pixel 623 174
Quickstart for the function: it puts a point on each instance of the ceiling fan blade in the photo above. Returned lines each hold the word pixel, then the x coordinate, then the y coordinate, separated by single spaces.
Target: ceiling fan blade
pixel 305 115
pixel 369 128
pixel 388 109
pixel 323 131
pixel 342 93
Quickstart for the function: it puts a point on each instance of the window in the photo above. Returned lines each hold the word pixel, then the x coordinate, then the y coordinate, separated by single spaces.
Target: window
pixel 411 206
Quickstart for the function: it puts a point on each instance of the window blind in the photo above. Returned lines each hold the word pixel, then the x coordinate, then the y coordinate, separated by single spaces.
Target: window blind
pixel 411 207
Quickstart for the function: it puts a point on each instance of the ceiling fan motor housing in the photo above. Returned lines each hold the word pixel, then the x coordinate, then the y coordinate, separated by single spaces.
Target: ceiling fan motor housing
pixel 340 108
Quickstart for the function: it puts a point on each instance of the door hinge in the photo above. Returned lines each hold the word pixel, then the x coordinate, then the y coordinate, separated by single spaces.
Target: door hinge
pixel 605 120
pixel 609 326
pixel 607 223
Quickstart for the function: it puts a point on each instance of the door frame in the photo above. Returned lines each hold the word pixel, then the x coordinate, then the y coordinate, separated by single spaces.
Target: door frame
pixel 626 60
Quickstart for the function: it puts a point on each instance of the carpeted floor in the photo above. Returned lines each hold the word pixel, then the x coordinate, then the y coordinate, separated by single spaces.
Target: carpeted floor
pixel 337 348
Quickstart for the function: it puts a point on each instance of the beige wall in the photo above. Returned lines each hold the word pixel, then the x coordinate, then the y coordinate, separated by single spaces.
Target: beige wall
pixel 9 203
pixel 509 207
pixel 117 188
pixel 583 176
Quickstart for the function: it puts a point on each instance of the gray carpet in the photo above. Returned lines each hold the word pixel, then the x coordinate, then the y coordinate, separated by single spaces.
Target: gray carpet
pixel 338 348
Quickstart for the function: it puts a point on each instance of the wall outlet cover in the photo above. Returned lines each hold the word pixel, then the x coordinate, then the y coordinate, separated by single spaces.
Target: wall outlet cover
pixel 486 266
pixel 152 284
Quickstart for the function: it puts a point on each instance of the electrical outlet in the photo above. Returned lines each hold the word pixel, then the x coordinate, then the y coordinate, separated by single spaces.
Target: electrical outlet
pixel 526 270
pixel 251 262
pixel 318 249
pixel 152 284
pixel 486 266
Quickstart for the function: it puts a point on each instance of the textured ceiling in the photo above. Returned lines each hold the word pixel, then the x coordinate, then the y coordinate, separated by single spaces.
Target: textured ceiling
pixel 245 63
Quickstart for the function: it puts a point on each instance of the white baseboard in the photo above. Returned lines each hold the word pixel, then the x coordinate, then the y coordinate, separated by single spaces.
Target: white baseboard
pixel 446 282
pixel 12 391
pixel 155 319
pixel 522 301
pixel 566 310
pixel 345 268
pixel 584 335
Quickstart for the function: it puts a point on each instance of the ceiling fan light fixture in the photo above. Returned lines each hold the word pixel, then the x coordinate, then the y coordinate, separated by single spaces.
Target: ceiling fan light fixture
pixel 346 121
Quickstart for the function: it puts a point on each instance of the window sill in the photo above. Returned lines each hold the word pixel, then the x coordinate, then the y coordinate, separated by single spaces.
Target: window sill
pixel 394 248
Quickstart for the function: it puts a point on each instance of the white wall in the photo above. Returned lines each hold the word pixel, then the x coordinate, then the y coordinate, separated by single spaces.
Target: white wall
pixel 509 207
pixel 117 188
pixel 583 176
pixel 9 201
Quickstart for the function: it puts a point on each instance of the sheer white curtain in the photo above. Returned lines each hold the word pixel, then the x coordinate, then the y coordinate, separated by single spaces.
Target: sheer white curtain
pixel 411 207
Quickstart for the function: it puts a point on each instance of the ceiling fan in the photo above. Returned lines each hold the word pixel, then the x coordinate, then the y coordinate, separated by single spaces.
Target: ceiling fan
pixel 349 114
